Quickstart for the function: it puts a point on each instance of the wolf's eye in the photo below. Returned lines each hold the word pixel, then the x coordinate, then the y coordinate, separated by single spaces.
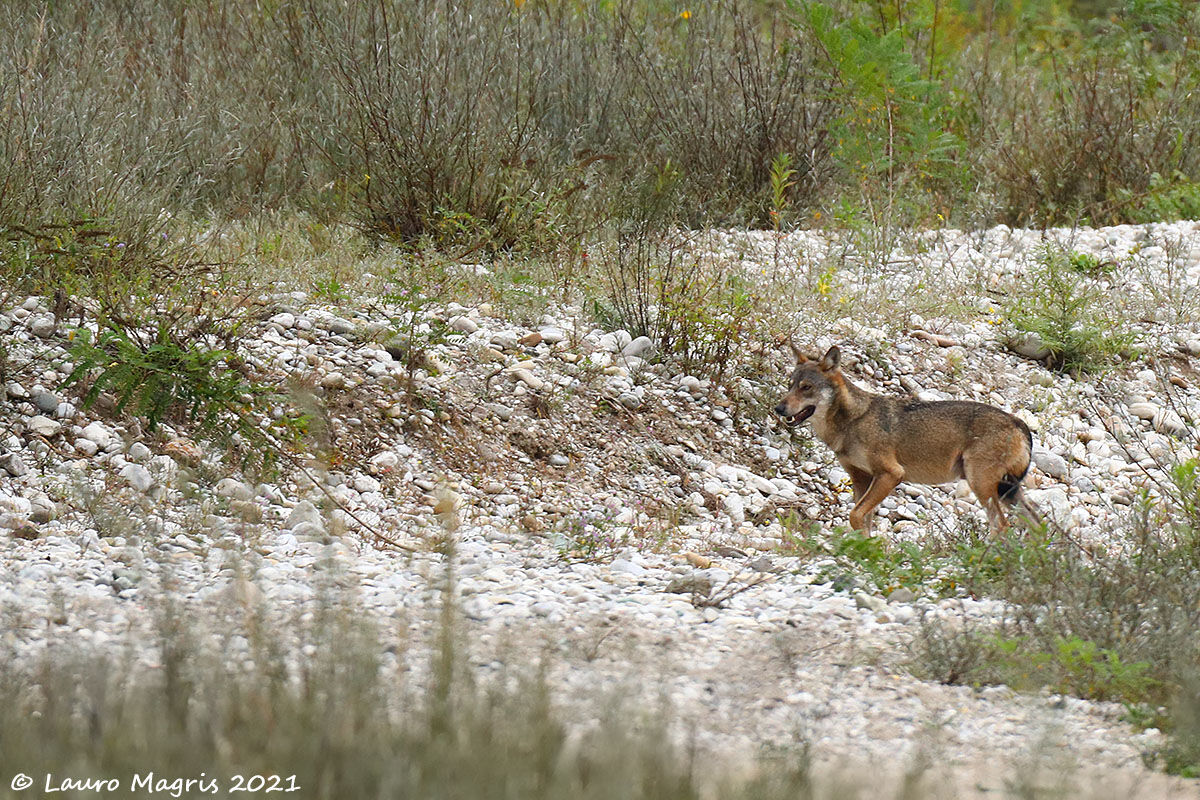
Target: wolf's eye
pixel 804 387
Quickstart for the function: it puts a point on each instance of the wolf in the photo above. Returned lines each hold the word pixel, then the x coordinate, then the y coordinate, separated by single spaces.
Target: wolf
pixel 881 441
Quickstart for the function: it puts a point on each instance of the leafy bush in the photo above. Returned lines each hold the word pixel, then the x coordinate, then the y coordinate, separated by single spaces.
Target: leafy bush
pixel 891 134
pixel 1080 112
pixel 1066 665
pixel 1061 303
pixel 159 376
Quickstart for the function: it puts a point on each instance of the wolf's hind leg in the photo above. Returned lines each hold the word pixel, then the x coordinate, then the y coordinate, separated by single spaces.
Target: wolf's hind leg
pixel 984 480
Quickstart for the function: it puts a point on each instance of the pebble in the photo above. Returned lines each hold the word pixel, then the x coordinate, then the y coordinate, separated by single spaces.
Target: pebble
pixel 42 326
pixel 1144 410
pixel 45 401
pixel 623 566
pixel 1053 465
pixel 383 463
pixel 303 512
pixel 44 426
pixel 138 476
pixel 13 465
pixel 638 348
pixel 233 489
pixel 1029 345
pixel 464 325
pixel 735 507
pixel 99 433
pixel 552 335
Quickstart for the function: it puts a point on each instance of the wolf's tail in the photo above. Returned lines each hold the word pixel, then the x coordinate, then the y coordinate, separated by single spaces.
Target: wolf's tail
pixel 1009 489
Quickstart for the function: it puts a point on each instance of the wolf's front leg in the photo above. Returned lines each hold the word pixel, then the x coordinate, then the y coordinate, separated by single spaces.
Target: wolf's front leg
pixel 881 486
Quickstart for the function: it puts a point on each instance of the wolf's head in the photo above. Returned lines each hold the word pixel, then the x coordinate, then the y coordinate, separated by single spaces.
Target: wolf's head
pixel 813 386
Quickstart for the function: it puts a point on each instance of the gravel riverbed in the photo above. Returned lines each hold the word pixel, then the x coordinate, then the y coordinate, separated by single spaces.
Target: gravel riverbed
pixel 591 487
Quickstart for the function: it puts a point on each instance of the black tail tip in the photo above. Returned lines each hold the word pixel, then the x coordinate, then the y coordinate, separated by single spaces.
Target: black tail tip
pixel 1009 489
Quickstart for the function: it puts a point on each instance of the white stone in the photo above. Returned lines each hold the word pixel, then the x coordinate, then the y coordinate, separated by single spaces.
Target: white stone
pixel 233 489
pixel 44 426
pixel 735 507
pixel 42 326
pixel 529 379
pixel 139 453
pixel 100 434
pixel 638 348
pixel 614 342
pixel 1052 502
pixel 303 512
pixel 138 476
pixel 552 335
pixel 464 325
pixel 1029 345
pixel 624 566
pixel 1143 410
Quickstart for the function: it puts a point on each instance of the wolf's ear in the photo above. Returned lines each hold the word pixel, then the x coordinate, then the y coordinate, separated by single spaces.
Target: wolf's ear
pixel 831 359
pixel 800 357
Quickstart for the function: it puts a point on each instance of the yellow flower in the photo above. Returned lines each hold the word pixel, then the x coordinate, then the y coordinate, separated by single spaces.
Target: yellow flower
pixel 518 3
pixel 685 14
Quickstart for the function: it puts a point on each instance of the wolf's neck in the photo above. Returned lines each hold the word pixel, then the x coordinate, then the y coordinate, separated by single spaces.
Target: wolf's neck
pixel 853 400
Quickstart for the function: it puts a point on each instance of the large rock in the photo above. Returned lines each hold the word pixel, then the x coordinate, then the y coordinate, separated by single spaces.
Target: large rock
pixel 1053 465
pixel 1053 503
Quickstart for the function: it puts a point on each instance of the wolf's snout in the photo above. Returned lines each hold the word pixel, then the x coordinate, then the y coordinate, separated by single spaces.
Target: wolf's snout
pixel 792 420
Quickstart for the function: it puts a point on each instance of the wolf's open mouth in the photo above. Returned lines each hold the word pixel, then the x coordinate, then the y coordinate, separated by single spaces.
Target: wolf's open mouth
pixel 796 419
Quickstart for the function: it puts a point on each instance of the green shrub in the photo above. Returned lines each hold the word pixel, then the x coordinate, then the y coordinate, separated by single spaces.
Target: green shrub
pixel 1061 303
pixel 162 376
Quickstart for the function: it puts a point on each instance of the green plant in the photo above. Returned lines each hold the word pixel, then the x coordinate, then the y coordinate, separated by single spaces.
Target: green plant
pixel 782 180
pixel 892 128
pixel 157 377
pixel 592 536
pixel 331 290
pixel 1090 265
pixel 415 287
pixel 1063 309
pixel 1066 665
